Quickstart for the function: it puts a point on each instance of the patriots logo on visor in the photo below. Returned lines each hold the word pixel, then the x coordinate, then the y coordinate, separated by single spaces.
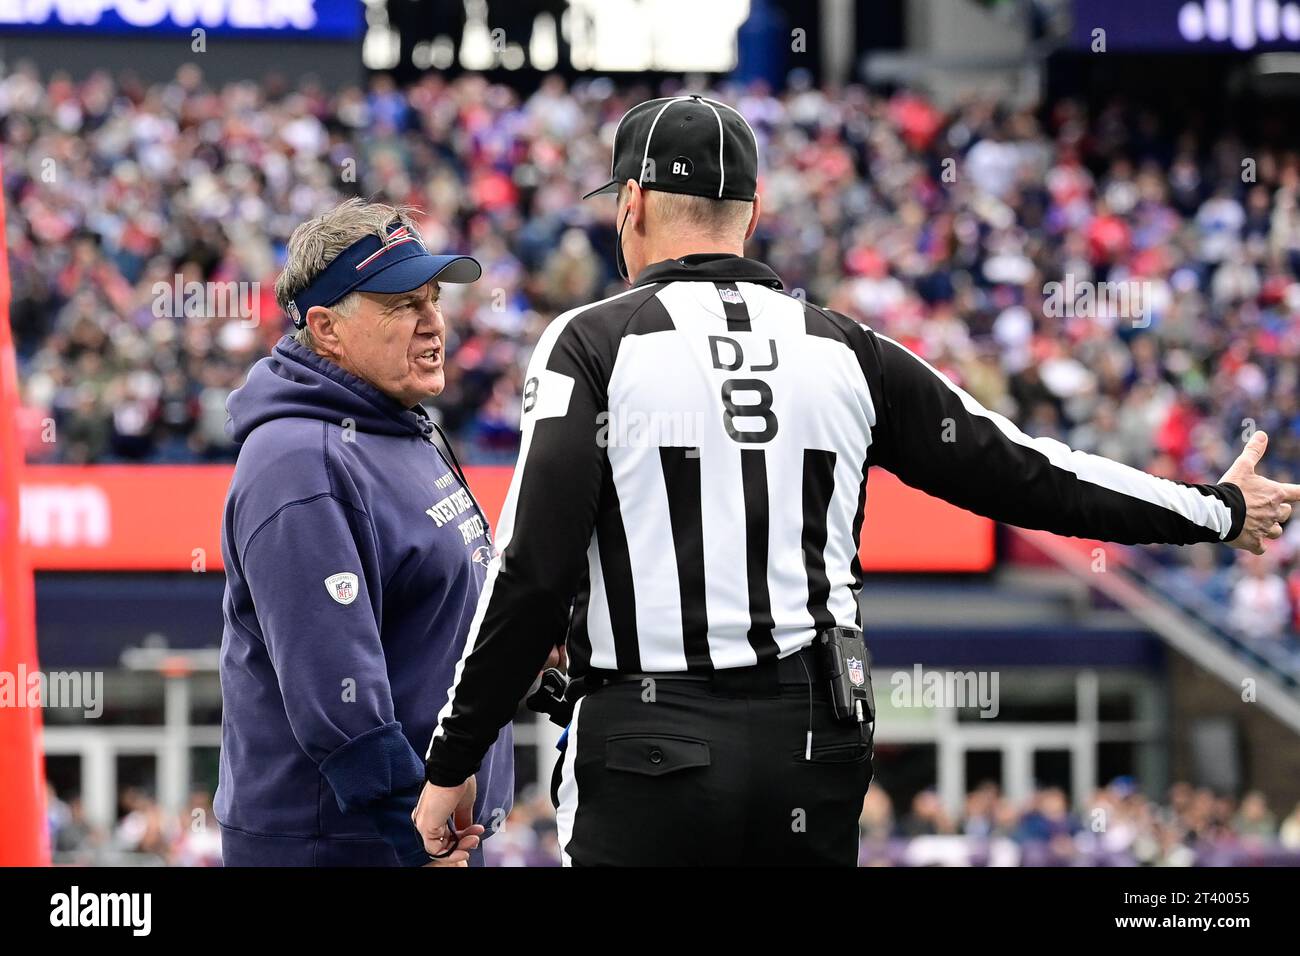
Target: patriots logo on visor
pixel 399 236
pixel 397 262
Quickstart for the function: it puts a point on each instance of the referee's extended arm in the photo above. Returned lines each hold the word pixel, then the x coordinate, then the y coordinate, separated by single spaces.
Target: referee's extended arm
pixel 936 437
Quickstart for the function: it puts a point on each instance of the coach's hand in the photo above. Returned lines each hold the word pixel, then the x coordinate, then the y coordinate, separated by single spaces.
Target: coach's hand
pixel 1268 503
pixel 435 806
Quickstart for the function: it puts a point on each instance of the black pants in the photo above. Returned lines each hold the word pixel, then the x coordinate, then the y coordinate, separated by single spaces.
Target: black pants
pixel 686 773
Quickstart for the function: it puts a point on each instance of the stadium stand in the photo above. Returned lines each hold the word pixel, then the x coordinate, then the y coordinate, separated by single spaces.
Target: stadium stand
pixel 941 227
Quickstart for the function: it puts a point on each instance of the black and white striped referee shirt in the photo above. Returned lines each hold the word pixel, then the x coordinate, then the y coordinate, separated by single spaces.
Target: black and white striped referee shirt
pixel 692 478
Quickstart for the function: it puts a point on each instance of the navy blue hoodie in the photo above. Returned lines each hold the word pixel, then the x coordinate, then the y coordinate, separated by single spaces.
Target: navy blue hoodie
pixel 354 560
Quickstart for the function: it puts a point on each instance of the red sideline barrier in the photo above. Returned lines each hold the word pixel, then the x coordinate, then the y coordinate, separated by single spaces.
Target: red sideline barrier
pixel 168 517
pixel 24 836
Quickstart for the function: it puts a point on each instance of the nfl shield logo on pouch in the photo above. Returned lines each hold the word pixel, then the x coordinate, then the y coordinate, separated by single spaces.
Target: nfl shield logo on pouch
pixel 342 587
pixel 855 671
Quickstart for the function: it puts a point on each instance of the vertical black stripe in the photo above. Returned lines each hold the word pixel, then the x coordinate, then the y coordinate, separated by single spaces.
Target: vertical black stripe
pixel 616 565
pixel 578 642
pixel 855 565
pixel 734 306
pixel 753 473
pixel 686 516
pixel 818 488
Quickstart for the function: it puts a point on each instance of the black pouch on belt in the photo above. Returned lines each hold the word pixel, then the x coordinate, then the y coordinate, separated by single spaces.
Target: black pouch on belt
pixel 550 696
pixel 842 659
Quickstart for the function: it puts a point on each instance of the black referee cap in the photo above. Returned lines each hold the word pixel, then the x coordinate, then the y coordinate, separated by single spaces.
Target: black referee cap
pixel 685 144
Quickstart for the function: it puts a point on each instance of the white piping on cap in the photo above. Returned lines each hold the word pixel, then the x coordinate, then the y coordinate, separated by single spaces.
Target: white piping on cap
pixel 722 166
pixel 752 134
pixel 650 135
pixel 614 150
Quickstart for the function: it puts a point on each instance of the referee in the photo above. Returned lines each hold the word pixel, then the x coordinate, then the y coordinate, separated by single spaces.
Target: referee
pixel 685 517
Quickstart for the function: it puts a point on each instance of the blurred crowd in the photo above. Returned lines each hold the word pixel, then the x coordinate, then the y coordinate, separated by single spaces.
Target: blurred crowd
pixel 143 835
pixel 1172 336
pixel 1119 827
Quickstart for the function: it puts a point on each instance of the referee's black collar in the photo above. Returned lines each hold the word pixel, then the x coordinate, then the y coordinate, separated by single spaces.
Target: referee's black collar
pixel 709 267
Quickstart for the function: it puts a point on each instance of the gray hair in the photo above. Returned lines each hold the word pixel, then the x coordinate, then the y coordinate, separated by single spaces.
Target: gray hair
pixel 716 218
pixel 316 243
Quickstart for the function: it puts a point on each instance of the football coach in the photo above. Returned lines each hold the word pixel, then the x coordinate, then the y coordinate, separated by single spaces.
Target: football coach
pixel 706 576
pixel 354 554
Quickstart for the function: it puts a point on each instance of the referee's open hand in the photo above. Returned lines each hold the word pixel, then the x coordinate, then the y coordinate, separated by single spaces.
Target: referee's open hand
pixel 1268 503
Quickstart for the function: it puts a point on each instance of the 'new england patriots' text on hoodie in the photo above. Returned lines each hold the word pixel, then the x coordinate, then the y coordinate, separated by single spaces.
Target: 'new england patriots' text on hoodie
pixel 354 559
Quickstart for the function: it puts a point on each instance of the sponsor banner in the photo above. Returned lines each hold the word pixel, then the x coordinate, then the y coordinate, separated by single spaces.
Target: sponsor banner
pixel 1189 26
pixel 168 518
pixel 301 19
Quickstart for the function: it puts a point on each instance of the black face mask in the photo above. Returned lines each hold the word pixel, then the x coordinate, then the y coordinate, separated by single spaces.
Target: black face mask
pixel 618 249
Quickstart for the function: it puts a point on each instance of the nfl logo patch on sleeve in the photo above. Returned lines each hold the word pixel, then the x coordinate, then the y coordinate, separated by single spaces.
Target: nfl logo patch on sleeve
pixel 342 587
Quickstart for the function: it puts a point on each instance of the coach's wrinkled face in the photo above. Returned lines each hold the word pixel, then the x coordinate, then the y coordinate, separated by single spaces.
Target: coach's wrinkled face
pixel 395 342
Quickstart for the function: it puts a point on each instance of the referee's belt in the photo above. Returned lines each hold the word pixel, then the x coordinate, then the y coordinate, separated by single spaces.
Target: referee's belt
pixel 763 679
